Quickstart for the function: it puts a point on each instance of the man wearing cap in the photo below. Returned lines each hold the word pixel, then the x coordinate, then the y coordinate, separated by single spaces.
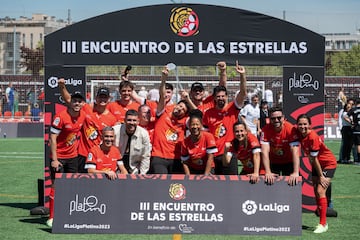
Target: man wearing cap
pixel 197 91
pixel 64 142
pixel 97 117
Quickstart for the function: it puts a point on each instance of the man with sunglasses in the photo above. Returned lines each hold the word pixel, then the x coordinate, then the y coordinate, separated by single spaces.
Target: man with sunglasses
pixel 280 148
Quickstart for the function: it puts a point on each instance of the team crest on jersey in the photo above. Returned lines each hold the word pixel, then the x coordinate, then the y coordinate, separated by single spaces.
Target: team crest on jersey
pixel 70 140
pixel 91 133
pixel 220 131
pixel 56 121
pixel 90 157
pixel 171 135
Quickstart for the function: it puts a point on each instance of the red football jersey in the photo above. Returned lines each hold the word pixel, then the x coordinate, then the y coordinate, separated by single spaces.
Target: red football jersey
pixel 102 161
pixel 195 154
pixel 314 146
pixel 92 128
pixel 220 124
pixel 246 155
pixel 168 135
pixel 119 110
pixel 280 142
pixel 67 128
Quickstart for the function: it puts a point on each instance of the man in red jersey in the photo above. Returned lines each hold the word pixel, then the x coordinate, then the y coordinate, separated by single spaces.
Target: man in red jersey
pixel 280 148
pixel 219 120
pixel 97 117
pixel 197 91
pixel 168 133
pixel 126 102
pixel 64 142
pixel 105 158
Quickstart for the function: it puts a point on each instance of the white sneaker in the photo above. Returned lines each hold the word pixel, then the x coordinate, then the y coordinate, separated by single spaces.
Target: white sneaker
pixel 49 222
pixel 321 228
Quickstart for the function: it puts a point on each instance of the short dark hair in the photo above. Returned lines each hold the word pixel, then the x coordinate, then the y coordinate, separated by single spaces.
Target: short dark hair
pixel 195 113
pixel 169 86
pixel 219 89
pixel 303 116
pixel 126 84
pixel 131 112
pixel 275 109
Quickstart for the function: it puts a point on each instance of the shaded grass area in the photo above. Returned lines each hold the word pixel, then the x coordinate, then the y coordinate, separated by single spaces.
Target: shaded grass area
pixel 18 194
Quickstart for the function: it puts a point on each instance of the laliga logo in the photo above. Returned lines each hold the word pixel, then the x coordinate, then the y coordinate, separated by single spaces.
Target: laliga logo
pixel 250 207
pixel 177 191
pixel 53 82
pixel 184 22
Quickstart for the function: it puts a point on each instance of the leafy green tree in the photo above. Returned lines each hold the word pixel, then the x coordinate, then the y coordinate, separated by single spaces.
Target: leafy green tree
pixel 32 59
pixel 343 63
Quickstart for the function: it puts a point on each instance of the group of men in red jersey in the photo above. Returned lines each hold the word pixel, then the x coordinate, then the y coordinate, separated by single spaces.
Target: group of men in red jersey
pixel 166 125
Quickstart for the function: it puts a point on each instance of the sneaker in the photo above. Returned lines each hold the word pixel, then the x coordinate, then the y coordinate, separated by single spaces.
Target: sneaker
pixel 49 222
pixel 321 228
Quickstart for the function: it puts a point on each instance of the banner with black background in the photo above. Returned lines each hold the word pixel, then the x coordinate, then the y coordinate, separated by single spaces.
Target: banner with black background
pixel 168 204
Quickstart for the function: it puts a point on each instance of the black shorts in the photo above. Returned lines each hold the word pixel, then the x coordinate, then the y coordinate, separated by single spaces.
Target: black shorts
pixel 69 165
pixel 166 166
pixel 282 169
pixel 356 138
pixel 329 173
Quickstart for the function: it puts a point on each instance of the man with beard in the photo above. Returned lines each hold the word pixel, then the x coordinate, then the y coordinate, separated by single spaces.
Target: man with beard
pixel 134 144
pixel 197 91
pixel 105 158
pixel 280 148
pixel 219 120
pixel 169 131
pixel 97 117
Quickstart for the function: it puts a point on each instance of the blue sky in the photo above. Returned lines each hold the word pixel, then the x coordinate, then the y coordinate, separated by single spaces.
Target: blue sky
pixel 321 16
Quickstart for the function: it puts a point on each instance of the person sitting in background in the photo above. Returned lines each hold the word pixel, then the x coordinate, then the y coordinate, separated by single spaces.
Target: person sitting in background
pixel 35 113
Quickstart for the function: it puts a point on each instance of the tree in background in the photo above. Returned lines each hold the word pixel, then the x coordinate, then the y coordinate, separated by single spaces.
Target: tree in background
pixel 33 59
pixel 343 63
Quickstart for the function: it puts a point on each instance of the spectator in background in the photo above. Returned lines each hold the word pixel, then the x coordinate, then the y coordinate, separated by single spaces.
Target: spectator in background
pixel 143 93
pixel 269 97
pixel 41 98
pixel 145 120
pixel 1 100
pixel 16 101
pixel 280 99
pixel 9 97
pixel 35 113
pixel 250 114
pixel 264 114
pixel 346 134
pixel 353 116
pixel 153 95
pixel 341 98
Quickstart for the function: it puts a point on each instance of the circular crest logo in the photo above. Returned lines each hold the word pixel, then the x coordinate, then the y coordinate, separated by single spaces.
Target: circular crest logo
pixel 53 82
pixel 177 191
pixel 249 207
pixel 184 21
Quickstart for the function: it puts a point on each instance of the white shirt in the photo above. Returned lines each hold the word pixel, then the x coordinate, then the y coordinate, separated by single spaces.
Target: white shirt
pixel 251 114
